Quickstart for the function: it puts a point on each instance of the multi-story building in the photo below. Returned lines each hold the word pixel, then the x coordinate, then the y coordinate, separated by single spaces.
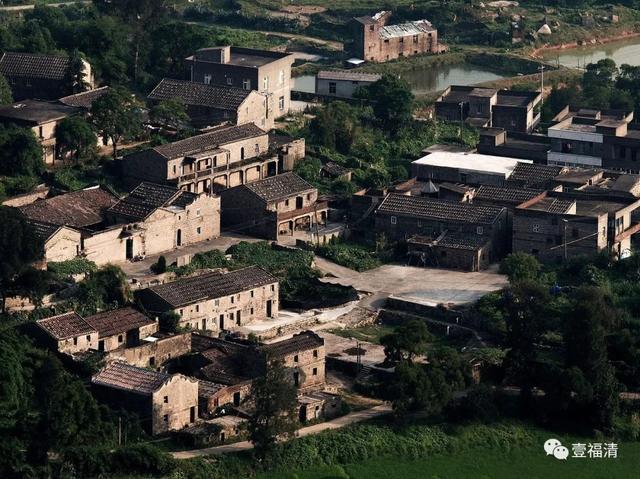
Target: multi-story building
pixel 401 217
pixel 164 402
pixel 152 219
pixel 225 157
pixel 375 41
pixel 42 118
pixel 487 107
pixel 210 105
pixel 216 301
pixel 525 146
pixel 560 225
pixel 275 206
pixel 262 70
pixel 343 83
pixel 44 77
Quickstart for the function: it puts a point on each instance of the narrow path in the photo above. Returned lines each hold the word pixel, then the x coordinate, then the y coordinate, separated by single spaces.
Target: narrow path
pixel 20 8
pixel 331 44
pixel 351 418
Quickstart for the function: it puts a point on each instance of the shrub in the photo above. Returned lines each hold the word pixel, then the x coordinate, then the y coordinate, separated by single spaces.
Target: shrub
pixel 520 266
pixel 65 269
pixel 161 266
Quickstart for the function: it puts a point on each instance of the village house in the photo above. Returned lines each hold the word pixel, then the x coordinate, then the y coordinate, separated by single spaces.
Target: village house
pixel 210 105
pixel 375 41
pixel 343 83
pixel 334 171
pixel 222 158
pixel 559 225
pixel 216 301
pixel 84 100
pixel 106 331
pixel 525 146
pixel 163 402
pixel 45 77
pixel 154 350
pixel 401 217
pixel 42 117
pixel 262 70
pixel 152 219
pixel 488 107
pixel 279 205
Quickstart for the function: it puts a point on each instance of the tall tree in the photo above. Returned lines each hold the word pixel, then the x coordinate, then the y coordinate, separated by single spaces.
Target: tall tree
pixel 274 398
pixel 75 136
pixel 408 341
pixel 418 387
pixel 19 247
pixel 169 113
pixel 117 116
pixel 76 76
pixel 392 100
pixel 20 152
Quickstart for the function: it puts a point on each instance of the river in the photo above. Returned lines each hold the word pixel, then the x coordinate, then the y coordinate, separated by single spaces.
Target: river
pixel 423 81
pixel 623 51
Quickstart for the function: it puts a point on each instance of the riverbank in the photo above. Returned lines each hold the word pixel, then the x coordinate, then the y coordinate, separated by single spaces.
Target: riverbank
pixel 538 53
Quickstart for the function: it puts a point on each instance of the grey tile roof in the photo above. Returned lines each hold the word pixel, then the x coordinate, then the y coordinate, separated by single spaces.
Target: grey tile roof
pixel 420 207
pixel 145 198
pixel 77 209
pixel 212 285
pixel 43 230
pixel 200 94
pixel 552 205
pixel 299 342
pixel 64 326
pixel 200 143
pixel 506 195
pixel 279 186
pixel 29 65
pixel 84 99
pixel 533 174
pixel 36 111
pixel 461 241
pixel 117 321
pixel 125 377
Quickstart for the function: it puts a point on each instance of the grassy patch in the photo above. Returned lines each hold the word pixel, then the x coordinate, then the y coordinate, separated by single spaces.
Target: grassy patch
pixel 351 255
pixel 371 333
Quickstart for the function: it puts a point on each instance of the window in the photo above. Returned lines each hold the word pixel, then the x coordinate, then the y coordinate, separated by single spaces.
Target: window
pixel 281 103
pixel 265 83
pixel 394 220
pixel 246 84
pixel 251 293
pixel 180 312
pixel 197 308
pixel 281 77
pixel 371 28
pixel 197 212
pixel 401 39
pixel 166 399
pixel 273 287
pixel 75 341
pixel 242 153
pixel 152 361
pixel 315 371
pixel 251 312
pixel 315 353
pixel 207 79
pixel 332 88
pixel 199 230
pixel 165 418
pixel 295 358
pixel 217 302
pixel 415 39
pixel 40 132
pixel 286 202
pixel 120 338
pixel 229 81
pixel 536 228
pixel 480 230
pixel 174 169
pixel 233 299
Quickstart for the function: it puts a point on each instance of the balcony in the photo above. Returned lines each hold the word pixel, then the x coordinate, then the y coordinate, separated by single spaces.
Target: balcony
pixel 317 207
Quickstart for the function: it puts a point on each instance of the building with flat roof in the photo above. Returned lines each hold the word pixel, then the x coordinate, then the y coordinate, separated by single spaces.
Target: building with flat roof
pixel 524 146
pixel 489 107
pixel 376 41
pixel 469 168
pixel 343 83
pixel 249 69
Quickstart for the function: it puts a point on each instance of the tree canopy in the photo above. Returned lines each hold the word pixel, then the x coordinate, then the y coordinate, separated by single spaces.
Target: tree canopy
pixel 117 116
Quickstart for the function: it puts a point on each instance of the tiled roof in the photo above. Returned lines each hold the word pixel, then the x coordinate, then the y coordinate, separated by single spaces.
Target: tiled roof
pixel 43 230
pixel 300 342
pixel 31 65
pixel 78 209
pixel 533 174
pixel 84 99
pixel 461 241
pixel 420 207
pixel 406 29
pixel 36 111
pixel 200 143
pixel 207 389
pixel 279 186
pixel 145 198
pixel 552 205
pixel 67 325
pixel 212 285
pixel 348 75
pixel 118 321
pixel 200 94
pixel 123 376
pixel 506 195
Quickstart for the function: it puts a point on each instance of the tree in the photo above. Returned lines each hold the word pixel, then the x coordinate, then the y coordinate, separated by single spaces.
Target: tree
pixel 392 101
pixel 169 321
pixel 6 97
pixel 20 152
pixel 407 341
pixel 76 78
pixel 335 126
pixel 34 284
pixel 418 387
pixel 105 288
pixel 116 115
pixel 274 398
pixel 520 266
pixel 169 113
pixel 76 137
pixel 19 247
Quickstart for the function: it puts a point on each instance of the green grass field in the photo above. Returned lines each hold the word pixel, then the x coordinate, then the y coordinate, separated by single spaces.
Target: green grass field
pixel 482 463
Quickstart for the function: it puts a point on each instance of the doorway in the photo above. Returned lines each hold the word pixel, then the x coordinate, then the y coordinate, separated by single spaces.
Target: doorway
pixel 269 308
pixel 299 202
pixel 129 248
pixel 221 321
pixel 179 238
pixel 302 415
